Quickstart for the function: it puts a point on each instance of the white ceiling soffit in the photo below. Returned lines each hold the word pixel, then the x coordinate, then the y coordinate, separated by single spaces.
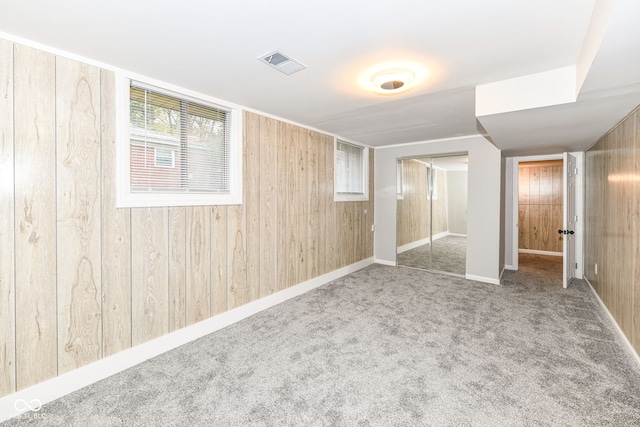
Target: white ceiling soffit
pixel 568 109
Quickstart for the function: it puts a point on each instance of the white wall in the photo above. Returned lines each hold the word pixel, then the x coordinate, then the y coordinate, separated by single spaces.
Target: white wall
pixel 508 214
pixel 457 201
pixel 483 219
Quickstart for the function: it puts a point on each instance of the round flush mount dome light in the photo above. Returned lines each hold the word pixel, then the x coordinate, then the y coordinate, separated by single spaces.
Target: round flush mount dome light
pixel 392 78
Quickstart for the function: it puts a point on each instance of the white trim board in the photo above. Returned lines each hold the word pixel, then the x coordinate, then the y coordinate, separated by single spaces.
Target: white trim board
pixel 482 279
pixel 57 387
pixel 625 340
pixel 536 252
pixel 386 262
pixel 425 241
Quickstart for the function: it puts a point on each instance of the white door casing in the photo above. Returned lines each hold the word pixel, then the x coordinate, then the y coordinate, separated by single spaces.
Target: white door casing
pixel 569 220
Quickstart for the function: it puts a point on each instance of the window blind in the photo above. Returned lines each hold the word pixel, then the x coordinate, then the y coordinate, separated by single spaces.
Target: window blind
pixel 193 138
pixel 349 168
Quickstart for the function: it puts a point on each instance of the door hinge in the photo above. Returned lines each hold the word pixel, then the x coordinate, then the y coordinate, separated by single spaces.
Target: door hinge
pixel 576 265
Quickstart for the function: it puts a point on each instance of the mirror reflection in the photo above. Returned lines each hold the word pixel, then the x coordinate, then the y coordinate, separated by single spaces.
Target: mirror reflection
pixel 432 213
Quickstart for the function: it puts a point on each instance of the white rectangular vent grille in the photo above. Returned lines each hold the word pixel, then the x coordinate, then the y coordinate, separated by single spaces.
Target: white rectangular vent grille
pixel 282 62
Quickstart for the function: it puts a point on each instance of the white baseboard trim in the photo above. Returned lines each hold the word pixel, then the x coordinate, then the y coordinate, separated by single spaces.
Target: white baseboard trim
pixel 532 251
pixel 482 279
pixel 630 349
pixel 421 242
pixel 412 245
pixel 385 262
pixel 509 267
pixel 456 235
pixel 54 388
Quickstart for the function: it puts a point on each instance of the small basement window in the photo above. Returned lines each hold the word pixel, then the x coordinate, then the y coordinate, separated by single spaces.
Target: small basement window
pixel 178 150
pixel 351 172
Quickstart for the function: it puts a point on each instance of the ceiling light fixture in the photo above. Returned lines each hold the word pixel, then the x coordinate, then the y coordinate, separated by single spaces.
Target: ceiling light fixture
pixel 393 77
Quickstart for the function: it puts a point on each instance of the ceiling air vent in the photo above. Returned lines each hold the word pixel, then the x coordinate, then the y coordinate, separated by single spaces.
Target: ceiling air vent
pixel 282 62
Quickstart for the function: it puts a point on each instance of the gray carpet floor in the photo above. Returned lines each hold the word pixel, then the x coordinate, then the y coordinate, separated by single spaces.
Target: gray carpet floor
pixel 449 255
pixel 386 346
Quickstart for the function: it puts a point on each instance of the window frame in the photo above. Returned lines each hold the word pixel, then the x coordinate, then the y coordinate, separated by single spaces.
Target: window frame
pixel 351 197
pixel 128 199
pixel 399 179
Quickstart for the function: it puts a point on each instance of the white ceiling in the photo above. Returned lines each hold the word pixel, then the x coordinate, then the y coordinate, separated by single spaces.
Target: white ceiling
pixel 212 46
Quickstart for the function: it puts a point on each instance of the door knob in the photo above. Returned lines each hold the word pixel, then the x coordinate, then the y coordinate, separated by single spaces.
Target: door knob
pixel 566 232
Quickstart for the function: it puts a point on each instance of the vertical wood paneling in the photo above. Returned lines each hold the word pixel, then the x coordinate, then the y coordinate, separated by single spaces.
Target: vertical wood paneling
pixel 116 234
pixel 150 291
pixel 540 200
pixel 283 208
pixel 323 189
pixel 219 290
pixel 7 233
pixel 252 201
pixel 198 288
pixel 291 139
pixel 547 235
pixel 534 186
pixel 332 236
pixel 625 233
pixel 237 292
pixel 370 233
pixel 268 206
pixel 612 239
pixel 35 210
pixel 546 185
pixel 358 224
pixel 303 205
pixel 524 227
pixel 351 240
pixel 78 213
pixel 126 276
pixel 313 142
pixel 414 208
pixel 177 268
pixel 635 225
pixel 523 186
pixel 557 186
pixel 534 226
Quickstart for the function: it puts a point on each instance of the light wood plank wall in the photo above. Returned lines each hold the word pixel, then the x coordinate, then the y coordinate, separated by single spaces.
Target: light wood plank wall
pixel 612 222
pixel 540 205
pixel 413 209
pixel 81 280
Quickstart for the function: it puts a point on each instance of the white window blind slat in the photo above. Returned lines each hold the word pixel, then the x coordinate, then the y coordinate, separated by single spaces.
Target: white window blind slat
pixel 192 141
pixel 349 168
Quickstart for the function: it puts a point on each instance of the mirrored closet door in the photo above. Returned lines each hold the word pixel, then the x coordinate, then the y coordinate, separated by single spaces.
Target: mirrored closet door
pixel 432 213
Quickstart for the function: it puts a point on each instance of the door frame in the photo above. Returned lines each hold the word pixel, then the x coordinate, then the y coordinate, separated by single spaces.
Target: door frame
pixel 579 205
pixel 516 189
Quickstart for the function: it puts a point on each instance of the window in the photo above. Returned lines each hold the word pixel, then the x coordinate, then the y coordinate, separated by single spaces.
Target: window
pixel 177 150
pixel 399 185
pixel 164 158
pixel 351 172
pixel 432 183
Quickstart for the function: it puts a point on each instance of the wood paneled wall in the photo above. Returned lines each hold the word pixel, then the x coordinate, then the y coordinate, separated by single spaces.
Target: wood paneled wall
pixel 81 280
pixel 540 205
pixel 414 207
pixel 612 238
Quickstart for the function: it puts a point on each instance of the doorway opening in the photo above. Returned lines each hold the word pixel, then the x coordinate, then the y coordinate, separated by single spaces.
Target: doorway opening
pixel 432 213
pixel 547 207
